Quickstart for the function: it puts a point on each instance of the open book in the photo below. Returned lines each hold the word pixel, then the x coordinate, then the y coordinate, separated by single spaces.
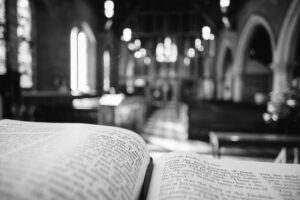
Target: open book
pixel 80 161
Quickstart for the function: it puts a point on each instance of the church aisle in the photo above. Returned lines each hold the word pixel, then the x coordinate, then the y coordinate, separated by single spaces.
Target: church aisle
pixel 169 121
pixel 167 130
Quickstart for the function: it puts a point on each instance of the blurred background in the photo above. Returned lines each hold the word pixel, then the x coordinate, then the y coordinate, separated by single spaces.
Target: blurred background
pixel 220 77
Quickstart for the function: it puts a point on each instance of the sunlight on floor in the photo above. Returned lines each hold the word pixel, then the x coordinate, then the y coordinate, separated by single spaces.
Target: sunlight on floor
pixel 167 130
pixel 168 122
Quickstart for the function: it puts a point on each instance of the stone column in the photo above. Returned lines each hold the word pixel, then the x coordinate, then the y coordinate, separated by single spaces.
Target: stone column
pixel 237 88
pixel 282 78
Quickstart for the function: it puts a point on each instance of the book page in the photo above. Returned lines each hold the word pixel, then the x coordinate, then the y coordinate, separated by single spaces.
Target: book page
pixel 183 175
pixel 70 161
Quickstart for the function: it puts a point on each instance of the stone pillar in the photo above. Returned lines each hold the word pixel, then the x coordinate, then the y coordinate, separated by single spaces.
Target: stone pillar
pixel 220 88
pixel 282 77
pixel 281 82
pixel 237 88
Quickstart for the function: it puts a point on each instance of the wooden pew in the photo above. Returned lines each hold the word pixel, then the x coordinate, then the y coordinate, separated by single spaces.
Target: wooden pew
pixel 205 116
pixel 263 144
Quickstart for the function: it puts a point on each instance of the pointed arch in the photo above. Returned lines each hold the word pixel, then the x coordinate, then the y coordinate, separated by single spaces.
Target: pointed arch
pixel 226 51
pixel 246 34
pixel 284 62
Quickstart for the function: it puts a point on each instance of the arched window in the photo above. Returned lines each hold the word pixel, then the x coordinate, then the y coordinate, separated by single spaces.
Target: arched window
pixel 106 70
pixel 24 45
pixel 83 59
pixel 2 39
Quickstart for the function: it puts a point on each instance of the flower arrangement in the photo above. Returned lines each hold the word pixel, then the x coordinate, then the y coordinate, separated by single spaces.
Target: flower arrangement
pixel 283 109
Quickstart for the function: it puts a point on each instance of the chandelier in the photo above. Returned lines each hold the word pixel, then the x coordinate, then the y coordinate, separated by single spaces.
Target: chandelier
pixel 167 51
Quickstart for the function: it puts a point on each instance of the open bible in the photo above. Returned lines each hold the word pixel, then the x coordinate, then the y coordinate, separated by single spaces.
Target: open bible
pixel 81 161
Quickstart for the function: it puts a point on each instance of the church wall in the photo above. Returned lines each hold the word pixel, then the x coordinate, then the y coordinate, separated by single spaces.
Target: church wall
pixel 53 26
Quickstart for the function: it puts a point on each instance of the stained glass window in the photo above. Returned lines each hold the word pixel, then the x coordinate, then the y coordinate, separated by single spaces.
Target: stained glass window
pixel 2 40
pixel 24 49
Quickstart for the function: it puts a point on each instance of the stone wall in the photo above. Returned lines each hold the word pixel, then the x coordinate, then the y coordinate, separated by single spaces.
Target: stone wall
pixel 53 27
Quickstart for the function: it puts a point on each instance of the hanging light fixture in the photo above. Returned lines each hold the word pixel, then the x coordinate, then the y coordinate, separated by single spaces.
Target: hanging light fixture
pixel 206 32
pixel 191 52
pixel 127 34
pixel 167 51
pixel 109 8
pixel 224 3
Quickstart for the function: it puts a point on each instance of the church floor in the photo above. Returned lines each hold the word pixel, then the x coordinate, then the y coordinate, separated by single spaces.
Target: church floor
pixel 169 121
pixel 167 130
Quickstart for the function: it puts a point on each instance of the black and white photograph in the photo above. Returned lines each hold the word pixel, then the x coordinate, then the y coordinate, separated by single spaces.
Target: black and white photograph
pixel 149 99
